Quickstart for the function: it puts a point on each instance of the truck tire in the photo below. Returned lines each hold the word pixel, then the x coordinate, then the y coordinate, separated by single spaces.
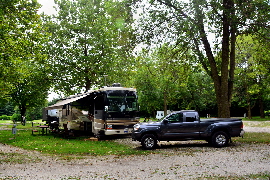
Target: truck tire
pixel 220 139
pixel 149 141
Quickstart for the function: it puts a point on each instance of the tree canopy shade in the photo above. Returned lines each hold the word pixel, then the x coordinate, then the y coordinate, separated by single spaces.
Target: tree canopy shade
pixel 195 23
pixel 22 77
pixel 89 38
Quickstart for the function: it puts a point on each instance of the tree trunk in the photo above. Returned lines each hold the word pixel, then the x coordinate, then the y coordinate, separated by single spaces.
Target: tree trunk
pixel 22 109
pixel 223 80
pixel 249 112
pixel 165 103
pixel 262 115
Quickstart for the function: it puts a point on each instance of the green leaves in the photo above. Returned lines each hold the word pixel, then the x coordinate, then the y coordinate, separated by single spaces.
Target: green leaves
pixel 252 73
pixel 23 77
pixel 88 41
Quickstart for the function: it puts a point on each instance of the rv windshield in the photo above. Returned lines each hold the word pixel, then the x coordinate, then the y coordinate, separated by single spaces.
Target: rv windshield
pixel 122 103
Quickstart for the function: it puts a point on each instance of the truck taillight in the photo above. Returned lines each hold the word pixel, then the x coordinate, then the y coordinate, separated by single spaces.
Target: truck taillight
pixel 242 126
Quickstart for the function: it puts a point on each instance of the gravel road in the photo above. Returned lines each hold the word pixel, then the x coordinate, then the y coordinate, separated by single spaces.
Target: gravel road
pixel 175 160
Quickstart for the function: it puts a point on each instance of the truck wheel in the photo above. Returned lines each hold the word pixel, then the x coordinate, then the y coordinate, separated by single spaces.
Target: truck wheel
pixel 149 141
pixel 220 139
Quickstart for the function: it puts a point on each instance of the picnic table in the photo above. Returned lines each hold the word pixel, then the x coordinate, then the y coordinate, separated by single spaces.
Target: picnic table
pixel 44 129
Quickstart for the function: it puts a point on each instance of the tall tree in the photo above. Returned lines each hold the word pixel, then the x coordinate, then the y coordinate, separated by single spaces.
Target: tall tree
pixel 32 91
pixel 88 39
pixel 252 73
pixel 194 24
pixel 19 39
pixel 158 77
pixel 21 54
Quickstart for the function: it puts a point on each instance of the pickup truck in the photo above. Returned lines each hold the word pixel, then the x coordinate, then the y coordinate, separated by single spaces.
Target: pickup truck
pixel 187 125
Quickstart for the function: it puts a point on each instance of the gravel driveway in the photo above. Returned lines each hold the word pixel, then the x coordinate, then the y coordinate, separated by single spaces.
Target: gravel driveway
pixel 175 160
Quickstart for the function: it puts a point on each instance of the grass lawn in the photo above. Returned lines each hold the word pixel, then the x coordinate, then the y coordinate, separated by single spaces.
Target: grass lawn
pixel 57 145
pixel 257 118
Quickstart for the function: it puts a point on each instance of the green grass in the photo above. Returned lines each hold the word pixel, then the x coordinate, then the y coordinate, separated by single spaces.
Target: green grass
pixel 28 125
pixel 253 138
pixel 49 144
pixel 257 118
pixel 257 124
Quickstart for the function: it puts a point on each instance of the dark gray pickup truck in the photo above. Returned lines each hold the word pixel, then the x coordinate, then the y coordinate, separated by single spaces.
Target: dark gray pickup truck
pixel 186 125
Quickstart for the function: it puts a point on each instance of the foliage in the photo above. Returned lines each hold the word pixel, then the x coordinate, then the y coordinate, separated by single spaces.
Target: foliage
pixel 89 39
pixel 200 94
pixel 5 117
pixel 167 79
pixel 160 78
pixel 191 25
pixel 6 108
pixel 20 40
pixel 16 117
pixel 23 76
pixel 252 73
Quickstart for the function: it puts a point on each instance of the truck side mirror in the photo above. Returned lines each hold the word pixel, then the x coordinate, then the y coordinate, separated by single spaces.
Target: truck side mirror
pixel 165 121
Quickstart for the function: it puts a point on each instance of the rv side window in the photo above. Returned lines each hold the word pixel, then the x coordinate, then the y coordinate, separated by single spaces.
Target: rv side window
pixel 190 117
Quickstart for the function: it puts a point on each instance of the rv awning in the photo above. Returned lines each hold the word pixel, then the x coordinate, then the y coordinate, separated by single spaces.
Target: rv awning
pixel 60 104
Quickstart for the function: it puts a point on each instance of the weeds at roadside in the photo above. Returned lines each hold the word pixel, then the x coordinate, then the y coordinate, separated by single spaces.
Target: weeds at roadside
pixel 16 158
pixel 261 176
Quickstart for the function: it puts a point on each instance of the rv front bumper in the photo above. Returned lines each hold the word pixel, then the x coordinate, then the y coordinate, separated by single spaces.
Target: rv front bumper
pixel 126 131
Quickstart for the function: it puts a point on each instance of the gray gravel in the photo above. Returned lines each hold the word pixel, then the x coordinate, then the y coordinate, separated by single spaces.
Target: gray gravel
pixel 175 160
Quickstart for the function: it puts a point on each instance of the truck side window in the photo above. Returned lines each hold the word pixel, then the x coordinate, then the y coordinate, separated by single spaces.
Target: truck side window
pixel 176 118
pixel 190 117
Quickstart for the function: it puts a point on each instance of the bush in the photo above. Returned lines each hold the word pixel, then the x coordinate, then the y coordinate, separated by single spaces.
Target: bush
pixel 16 117
pixel 5 117
pixel 267 113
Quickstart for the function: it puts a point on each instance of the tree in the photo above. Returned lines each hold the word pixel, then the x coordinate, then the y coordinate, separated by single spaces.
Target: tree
pixel 192 24
pixel 158 78
pixel 252 73
pixel 20 39
pixel 32 91
pixel 6 108
pixel 23 74
pixel 200 92
pixel 89 39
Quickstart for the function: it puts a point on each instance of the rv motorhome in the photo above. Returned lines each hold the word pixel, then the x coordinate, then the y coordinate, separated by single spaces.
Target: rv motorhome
pixel 106 111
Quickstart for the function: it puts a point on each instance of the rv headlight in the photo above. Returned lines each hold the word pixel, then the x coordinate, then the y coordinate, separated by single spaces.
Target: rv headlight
pixel 136 127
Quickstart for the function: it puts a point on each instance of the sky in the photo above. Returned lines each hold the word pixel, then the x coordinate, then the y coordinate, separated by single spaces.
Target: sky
pixel 47 6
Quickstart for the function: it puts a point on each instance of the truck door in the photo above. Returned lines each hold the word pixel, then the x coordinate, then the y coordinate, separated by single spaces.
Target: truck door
pixel 171 127
pixel 190 128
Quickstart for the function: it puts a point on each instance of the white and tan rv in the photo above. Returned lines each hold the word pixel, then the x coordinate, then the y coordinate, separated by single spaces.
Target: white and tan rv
pixel 106 111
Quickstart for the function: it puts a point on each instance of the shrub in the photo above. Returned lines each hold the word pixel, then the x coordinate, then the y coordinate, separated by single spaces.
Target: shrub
pixel 16 117
pixel 4 117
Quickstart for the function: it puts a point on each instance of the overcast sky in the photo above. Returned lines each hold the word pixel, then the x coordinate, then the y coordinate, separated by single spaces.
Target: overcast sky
pixel 47 6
